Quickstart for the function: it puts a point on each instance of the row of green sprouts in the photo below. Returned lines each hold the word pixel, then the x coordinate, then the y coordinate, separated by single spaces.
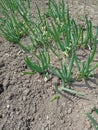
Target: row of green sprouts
pixel 51 32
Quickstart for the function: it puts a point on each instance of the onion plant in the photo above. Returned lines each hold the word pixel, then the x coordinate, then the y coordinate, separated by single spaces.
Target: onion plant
pixel 87 38
pixel 42 62
pixel 86 70
pixel 64 72
pixel 75 34
pixel 13 27
pixel 94 122
pixel 64 31
pixel 62 35
pixel 60 26
pixel 55 31
pixel 38 33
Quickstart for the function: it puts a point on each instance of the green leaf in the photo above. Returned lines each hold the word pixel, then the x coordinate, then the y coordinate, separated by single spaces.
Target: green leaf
pixel 28 72
pixel 73 92
pixel 95 124
pixel 33 66
pixel 95 109
pixel 70 66
pixel 55 97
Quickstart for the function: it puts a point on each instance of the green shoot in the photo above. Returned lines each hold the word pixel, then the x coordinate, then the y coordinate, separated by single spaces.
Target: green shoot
pixel 87 39
pixel 64 72
pixel 13 27
pixel 95 124
pixel 68 90
pixel 55 97
pixel 85 71
pixel 43 61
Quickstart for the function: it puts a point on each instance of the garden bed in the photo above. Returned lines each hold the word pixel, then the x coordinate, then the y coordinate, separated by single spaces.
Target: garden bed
pixel 25 99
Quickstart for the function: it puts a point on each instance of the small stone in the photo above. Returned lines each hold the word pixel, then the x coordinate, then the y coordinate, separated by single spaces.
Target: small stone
pixel 8 106
pixel 47 117
pixel 45 79
pixel 69 111
pixel 70 123
pixel 24 98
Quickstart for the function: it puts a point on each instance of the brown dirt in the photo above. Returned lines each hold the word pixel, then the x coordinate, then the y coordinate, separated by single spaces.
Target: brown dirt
pixel 25 99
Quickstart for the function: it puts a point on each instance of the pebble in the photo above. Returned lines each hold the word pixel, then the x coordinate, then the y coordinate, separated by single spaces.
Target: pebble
pixel 69 111
pixel 24 98
pixel 45 79
pixel 8 106
pixel 70 123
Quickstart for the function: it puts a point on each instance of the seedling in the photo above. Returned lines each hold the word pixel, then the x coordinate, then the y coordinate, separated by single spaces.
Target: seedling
pixel 87 39
pixel 85 71
pixel 12 27
pixel 60 27
pixel 94 122
pixel 42 64
pixel 64 72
